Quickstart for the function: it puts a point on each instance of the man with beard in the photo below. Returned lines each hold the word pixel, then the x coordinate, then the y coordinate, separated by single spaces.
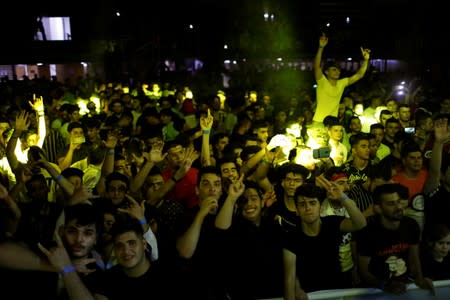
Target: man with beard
pixel 388 247
pixel 79 235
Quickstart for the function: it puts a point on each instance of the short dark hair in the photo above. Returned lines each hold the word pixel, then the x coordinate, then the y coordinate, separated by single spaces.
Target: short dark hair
pixel 331 64
pixel 294 168
pixel 389 188
pixel 69 172
pixel 117 176
pixel 207 170
pixel 74 125
pixel 310 190
pixel 84 213
pixel 376 126
pixel 356 138
pixel 125 223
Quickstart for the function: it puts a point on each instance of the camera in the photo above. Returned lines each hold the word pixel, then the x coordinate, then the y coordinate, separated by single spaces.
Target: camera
pixel 323 152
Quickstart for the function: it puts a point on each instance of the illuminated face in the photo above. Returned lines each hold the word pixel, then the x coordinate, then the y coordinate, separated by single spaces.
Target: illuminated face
pixel 76 132
pixel 441 248
pixel 32 140
pixel 210 186
pixel 355 125
pixel 342 184
pixel 116 191
pixel 379 134
pixel 391 129
pixel 362 150
pixel 155 182
pixel 93 133
pixel 290 183
pixel 130 250
pixel 428 125
pixel 228 171
pixel 122 166
pixel 404 114
pixel 263 134
pixel 384 118
pixel 391 207
pixel 281 117
pixel 79 240
pixel 175 156
pixel 76 181
pixel 392 105
pixel 336 132
pixel 252 205
pixel 308 209
pixel 222 143
pixel 413 161
pixel 333 73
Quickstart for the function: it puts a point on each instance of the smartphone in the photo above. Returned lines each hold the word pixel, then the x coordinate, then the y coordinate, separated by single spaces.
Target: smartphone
pixel 79 140
pixel 410 130
pixel 323 152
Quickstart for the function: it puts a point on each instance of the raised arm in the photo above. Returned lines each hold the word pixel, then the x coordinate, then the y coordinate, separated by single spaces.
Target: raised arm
pixel 20 126
pixel 224 218
pixel 323 41
pixel 441 136
pixel 38 106
pixel 362 70
pixel 187 243
pixel 357 220
pixel 206 125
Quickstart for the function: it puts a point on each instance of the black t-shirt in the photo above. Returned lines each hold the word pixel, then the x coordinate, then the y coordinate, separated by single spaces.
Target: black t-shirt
pixel 317 257
pixel 253 259
pixel 115 284
pixel 388 248
pixel 437 207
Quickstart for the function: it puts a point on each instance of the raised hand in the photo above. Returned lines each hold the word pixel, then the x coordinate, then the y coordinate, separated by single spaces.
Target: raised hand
pixel 332 188
pixel 81 265
pixel 206 122
pixel 58 256
pixel 22 121
pixel 155 155
pixel 111 140
pixel 190 155
pixel 323 40
pixel 134 209
pixel 441 130
pixel 236 188
pixel 365 53
pixel 37 104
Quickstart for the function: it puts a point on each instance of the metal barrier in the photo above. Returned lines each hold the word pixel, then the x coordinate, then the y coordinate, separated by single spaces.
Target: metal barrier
pixel 442 292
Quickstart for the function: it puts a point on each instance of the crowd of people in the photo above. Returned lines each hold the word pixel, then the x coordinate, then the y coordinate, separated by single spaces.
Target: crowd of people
pixel 123 191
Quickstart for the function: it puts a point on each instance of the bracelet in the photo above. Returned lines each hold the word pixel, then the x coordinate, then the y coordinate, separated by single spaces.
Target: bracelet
pixel 41 115
pixel 206 131
pixel 143 221
pixel 68 269
pixel 344 198
pixel 59 177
